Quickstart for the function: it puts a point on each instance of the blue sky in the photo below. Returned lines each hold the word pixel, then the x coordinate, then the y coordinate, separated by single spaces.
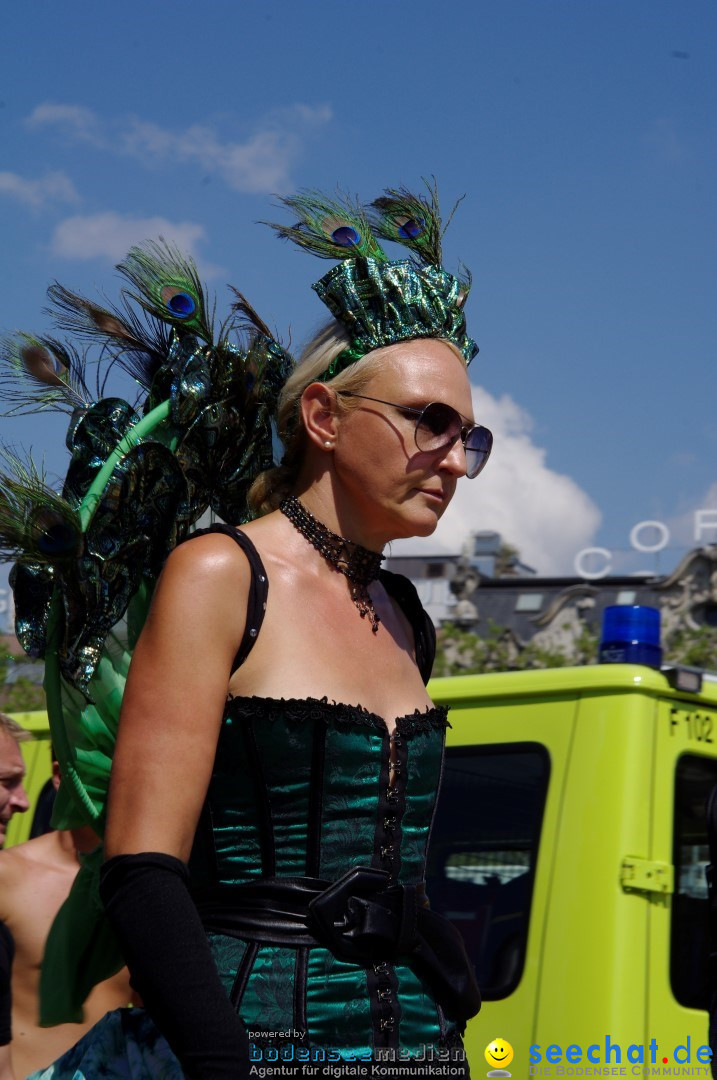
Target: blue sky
pixel 581 132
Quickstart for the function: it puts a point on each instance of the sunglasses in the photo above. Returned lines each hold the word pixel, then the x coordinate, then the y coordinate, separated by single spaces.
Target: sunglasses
pixel 438 426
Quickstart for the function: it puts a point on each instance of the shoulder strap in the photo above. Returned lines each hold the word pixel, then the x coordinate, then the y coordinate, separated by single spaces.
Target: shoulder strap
pixel 403 591
pixel 258 591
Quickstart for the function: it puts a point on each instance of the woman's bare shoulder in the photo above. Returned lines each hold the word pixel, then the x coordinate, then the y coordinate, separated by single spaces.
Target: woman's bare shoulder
pixel 212 558
pixel 204 585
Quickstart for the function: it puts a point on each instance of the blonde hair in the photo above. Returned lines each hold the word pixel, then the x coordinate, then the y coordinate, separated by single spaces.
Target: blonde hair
pixel 272 485
pixel 13 729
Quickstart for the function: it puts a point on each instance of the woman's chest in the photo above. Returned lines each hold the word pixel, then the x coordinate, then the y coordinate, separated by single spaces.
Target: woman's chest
pixel 311 647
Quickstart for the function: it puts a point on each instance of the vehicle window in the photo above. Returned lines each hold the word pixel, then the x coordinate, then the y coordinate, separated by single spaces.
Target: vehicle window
pixel 483 851
pixel 694 777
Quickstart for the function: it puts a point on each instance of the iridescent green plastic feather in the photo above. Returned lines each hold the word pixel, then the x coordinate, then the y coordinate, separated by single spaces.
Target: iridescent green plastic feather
pixel 411 220
pixel 331 228
pixel 168 287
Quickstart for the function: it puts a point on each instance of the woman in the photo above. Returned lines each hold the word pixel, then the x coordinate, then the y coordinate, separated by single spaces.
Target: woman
pixel 267 830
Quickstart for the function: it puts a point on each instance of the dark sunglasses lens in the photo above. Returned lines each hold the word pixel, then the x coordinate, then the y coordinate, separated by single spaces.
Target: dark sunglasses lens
pixel 437 425
pixel 479 444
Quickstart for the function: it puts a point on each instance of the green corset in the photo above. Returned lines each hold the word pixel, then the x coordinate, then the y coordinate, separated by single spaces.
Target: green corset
pixel 301 788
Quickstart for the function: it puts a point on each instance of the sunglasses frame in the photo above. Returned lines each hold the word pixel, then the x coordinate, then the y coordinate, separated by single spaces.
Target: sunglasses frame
pixel 466 428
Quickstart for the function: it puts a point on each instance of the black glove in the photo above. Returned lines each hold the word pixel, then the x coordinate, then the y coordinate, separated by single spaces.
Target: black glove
pixel 172 968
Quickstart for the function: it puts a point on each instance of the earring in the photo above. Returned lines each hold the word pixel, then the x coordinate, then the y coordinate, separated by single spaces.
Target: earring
pixel 327 442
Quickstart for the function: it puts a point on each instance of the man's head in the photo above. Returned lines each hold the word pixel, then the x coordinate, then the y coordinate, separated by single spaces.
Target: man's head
pixel 13 798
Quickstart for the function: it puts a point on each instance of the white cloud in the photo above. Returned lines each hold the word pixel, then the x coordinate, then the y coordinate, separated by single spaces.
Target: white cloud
pixel 53 187
pixel 109 235
pixel 257 164
pixel 73 120
pixel 545 514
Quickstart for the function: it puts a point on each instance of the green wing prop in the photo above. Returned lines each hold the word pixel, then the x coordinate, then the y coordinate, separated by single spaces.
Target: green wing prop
pixel 140 476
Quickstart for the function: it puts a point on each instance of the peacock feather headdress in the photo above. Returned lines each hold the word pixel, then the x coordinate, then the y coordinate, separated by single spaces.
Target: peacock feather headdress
pixel 141 473
pixel 378 300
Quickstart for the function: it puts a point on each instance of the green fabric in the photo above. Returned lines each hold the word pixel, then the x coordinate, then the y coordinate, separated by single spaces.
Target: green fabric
pixel 81 949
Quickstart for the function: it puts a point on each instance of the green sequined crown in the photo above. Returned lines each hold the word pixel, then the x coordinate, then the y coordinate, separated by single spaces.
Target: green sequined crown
pixel 378 300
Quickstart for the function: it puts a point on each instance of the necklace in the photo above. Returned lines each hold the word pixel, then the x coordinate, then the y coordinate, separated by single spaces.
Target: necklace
pixel 357 563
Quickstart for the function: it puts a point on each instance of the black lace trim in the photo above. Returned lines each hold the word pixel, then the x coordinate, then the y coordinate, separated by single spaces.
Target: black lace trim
pixel 419 721
pixel 304 710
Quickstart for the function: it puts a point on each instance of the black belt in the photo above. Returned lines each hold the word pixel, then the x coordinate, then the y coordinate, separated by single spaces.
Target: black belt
pixel 360 918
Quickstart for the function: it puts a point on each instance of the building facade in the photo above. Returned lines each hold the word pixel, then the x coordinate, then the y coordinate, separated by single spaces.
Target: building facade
pixel 553 612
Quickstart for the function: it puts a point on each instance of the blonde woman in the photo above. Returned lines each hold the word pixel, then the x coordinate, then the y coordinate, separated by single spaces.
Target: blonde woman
pixel 278 758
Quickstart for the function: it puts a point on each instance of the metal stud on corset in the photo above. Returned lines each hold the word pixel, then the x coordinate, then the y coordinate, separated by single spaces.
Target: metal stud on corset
pixel 357 563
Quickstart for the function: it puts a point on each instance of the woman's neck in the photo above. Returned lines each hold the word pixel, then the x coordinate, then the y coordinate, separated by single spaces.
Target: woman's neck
pixel 343 520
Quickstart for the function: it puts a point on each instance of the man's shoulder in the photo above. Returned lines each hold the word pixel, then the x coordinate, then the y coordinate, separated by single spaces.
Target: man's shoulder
pixel 42 851
pixel 13 871
pixel 35 868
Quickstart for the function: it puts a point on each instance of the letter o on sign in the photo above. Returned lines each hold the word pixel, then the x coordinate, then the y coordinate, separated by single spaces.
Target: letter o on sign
pixel 662 529
pixel 592 575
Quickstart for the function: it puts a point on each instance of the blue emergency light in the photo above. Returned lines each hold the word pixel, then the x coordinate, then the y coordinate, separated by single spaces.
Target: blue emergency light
pixel 630 635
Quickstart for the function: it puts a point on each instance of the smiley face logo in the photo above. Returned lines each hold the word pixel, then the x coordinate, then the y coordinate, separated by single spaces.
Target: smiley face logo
pixel 498 1054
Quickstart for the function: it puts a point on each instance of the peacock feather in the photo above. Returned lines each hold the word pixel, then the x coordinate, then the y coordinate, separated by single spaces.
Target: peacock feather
pixel 168 287
pixel 138 345
pixel 331 228
pixel 412 220
pixel 246 317
pixel 41 373
pixel 36 524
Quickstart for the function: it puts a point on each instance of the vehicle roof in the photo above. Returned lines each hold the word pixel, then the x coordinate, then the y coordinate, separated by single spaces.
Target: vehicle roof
pixel 598 678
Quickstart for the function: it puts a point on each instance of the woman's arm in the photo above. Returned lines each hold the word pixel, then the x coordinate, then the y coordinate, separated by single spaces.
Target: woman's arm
pixel 166 745
pixel 174 699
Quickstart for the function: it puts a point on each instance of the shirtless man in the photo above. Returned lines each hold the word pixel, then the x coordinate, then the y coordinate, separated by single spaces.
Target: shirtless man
pixel 13 800
pixel 35 879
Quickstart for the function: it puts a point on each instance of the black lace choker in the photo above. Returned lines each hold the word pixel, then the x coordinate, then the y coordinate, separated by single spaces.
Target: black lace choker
pixel 357 563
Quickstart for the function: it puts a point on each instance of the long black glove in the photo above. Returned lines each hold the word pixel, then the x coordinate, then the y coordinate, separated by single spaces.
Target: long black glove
pixel 172 968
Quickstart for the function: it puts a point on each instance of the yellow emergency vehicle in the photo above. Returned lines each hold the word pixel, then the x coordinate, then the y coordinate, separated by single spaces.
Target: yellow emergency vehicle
pixel 569 847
